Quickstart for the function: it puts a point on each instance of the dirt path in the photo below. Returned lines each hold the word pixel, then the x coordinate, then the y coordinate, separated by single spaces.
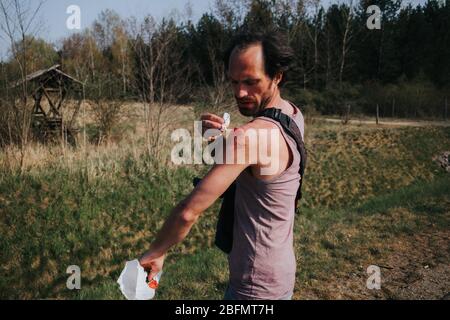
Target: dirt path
pixel 396 123
pixel 416 268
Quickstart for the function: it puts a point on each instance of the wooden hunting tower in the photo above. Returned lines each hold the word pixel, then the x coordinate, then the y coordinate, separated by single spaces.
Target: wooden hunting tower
pixel 55 86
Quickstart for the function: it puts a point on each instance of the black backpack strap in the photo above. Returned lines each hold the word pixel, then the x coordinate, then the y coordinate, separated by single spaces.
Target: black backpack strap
pixel 290 127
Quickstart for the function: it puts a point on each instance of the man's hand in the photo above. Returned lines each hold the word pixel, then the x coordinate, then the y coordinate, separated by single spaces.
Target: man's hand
pixel 211 121
pixel 151 264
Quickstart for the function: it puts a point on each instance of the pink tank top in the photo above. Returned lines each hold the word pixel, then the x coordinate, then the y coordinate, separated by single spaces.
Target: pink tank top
pixel 262 262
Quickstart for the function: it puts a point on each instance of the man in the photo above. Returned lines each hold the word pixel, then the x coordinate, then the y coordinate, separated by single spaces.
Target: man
pixel 262 261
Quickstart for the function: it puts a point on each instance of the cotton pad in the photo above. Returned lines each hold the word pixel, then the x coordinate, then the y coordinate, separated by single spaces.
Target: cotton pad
pixel 133 284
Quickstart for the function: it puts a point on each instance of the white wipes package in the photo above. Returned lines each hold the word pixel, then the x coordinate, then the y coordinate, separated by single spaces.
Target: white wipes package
pixel 133 284
pixel 226 124
pixel 226 119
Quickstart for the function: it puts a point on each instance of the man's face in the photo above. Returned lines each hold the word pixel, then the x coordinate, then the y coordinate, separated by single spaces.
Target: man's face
pixel 252 87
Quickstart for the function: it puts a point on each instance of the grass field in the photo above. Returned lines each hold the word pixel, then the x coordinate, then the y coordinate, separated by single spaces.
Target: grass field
pixel 372 196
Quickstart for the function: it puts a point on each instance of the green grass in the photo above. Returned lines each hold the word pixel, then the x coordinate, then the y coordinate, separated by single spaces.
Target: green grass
pixel 363 186
pixel 330 240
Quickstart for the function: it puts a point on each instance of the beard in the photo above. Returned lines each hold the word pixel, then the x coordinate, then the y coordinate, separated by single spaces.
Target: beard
pixel 247 112
pixel 253 108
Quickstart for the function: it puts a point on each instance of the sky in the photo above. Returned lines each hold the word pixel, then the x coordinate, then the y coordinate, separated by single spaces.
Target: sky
pixel 53 14
pixel 56 16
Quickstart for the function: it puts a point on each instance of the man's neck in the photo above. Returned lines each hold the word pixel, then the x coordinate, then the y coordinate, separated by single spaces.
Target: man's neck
pixel 277 102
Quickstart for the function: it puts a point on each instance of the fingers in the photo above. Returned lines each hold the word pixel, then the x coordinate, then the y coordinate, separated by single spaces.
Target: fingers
pixel 152 274
pixel 150 269
pixel 211 117
pixel 151 264
pixel 147 267
pixel 208 124
pixel 211 121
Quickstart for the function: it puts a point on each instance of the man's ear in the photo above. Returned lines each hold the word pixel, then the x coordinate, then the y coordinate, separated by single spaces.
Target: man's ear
pixel 277 78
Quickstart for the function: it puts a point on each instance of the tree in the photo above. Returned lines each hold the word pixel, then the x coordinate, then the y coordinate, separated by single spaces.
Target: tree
pixel 347 17
pixel 162 73
pixel 18 23
pixel 121 55
pixel 314 29
pixel 104 29
pixel 260 16
pixel 208 42
pixel 231 13
pixel 75 49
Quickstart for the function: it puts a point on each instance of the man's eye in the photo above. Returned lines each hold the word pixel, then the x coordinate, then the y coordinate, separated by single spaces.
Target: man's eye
pixel 251 82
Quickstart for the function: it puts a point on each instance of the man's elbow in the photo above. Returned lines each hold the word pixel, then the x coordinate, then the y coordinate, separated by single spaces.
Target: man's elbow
pixel 188 215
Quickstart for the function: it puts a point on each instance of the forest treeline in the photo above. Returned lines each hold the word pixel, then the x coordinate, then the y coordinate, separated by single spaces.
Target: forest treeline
pixel 340 64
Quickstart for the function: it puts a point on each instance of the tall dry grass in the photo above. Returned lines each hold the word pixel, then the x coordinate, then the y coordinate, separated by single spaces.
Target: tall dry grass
pixel 132 139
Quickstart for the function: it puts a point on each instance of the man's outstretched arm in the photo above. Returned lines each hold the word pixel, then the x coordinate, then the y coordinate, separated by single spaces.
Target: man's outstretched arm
pixel 185 214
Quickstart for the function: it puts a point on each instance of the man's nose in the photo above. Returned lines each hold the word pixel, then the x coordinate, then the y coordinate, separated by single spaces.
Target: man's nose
pixel 241 92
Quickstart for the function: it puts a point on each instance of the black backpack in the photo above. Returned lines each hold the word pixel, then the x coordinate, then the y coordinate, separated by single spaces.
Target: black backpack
pixel 224 229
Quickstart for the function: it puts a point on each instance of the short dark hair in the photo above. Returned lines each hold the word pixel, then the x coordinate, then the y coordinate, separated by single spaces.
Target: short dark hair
pixel 278 55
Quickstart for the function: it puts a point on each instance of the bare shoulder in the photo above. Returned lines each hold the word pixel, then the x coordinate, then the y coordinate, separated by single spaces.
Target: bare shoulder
pixel 264 124
pixel 257 124
pixel 254 129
